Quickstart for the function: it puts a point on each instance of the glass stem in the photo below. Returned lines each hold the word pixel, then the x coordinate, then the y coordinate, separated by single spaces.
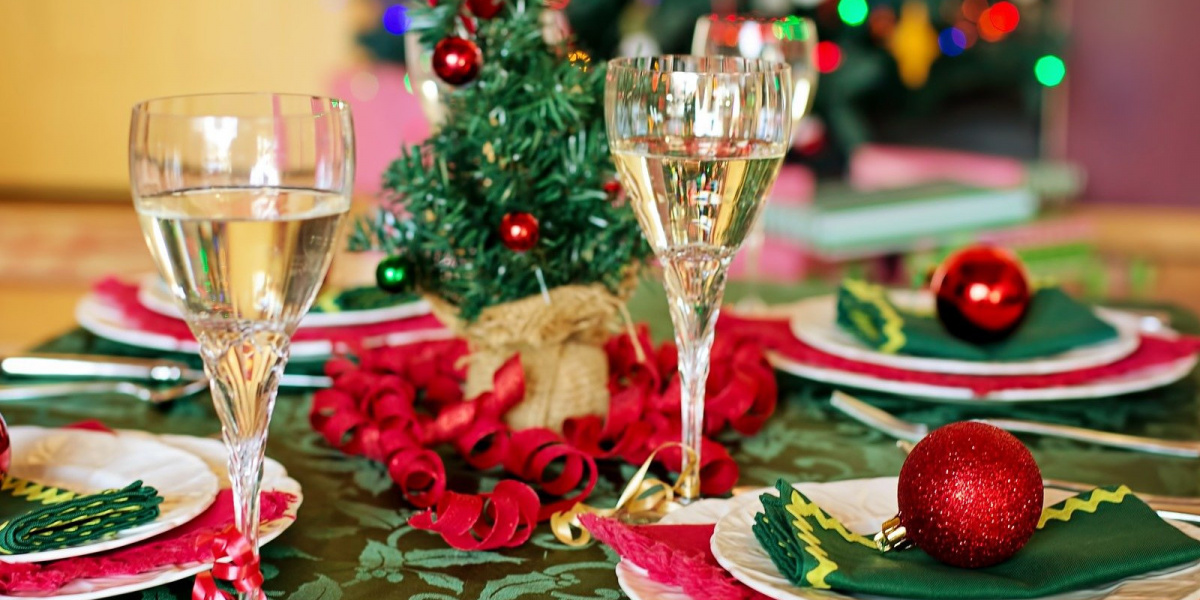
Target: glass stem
pixel 245 380
pixel 695 287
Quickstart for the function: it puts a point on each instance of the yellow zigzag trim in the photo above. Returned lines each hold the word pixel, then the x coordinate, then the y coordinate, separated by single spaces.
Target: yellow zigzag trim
pixel 35 492
pixel 893 323
pixel 803 510
pixel 1073 505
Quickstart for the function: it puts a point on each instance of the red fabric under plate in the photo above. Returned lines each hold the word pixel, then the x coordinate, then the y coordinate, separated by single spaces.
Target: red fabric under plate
pixel 676 555
pixel 777 335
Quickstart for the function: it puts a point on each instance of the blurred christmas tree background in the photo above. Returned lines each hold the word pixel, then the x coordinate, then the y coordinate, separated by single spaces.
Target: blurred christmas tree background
pixel 963 74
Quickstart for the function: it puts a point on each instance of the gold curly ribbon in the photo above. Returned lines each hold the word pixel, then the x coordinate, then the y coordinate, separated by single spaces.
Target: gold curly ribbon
pixel 644 500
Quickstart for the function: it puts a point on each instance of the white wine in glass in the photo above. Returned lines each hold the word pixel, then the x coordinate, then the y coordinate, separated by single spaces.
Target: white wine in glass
pixel 241 198
pixel 697 142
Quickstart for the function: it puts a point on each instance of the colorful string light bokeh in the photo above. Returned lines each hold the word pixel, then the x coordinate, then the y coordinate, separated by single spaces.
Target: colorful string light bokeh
pixel 952 41
pixel 395 19
pixel 1050 70
pixel 853 12
pixel 829 56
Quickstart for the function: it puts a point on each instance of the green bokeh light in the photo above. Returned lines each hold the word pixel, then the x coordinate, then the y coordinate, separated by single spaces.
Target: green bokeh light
pixel 853 12
pixel 1050 70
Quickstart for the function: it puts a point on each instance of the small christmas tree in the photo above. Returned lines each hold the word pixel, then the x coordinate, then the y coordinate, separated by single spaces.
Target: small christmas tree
pixel 510 218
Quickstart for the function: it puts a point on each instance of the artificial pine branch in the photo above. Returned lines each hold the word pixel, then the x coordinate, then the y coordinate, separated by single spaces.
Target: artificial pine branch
pixel 526 136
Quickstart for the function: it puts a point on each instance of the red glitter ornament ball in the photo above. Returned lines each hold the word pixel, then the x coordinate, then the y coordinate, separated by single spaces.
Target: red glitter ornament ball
pixel 982 293
pixel 456 60
pixel 5 448
pixel 970 495
pixel 485 9
pixel 519 231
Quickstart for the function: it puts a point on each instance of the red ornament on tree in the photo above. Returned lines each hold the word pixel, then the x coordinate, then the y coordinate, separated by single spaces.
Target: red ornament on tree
pixel 485 9
pixel 970 495
pixel 612 187
pixel 982 293
pixel 456 60
pixel 5 448
pixel 519 231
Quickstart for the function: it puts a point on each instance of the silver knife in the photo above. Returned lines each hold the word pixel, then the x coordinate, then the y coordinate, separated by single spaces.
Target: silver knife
pixel 913 432
pixel 1167 507
pixel 115 367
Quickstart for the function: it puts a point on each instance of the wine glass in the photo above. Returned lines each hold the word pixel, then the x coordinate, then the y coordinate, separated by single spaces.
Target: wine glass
pixel 240 198
pixel 697 142
pixel 791 40
pixel 425 84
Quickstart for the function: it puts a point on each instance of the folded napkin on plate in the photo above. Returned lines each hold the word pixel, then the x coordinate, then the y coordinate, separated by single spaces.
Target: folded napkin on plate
pixel 1054 323
pixel 179 546
pixel 1086 541
pixel 62 519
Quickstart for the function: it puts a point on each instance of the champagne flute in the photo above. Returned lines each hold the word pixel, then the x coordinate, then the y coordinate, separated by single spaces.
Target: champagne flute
pixel 425 84
pixel 697 142
pixel 240 198
pixel 791 40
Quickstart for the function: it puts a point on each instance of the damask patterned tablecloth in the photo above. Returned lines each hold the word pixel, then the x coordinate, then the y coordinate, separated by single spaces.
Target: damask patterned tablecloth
pixel 352 541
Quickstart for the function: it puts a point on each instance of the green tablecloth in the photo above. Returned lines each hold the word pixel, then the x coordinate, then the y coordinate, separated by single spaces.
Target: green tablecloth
pixel 351 540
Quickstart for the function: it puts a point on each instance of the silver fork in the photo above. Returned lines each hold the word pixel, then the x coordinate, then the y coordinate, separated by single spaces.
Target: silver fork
pixel 126 388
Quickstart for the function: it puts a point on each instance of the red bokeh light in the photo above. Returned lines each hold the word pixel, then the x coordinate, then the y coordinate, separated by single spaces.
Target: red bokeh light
pixel 987 29
pixel 1004 16
pixel 973 9
pixel 829 57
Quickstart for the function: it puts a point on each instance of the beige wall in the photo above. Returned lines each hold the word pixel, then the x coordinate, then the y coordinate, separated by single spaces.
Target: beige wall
pixel 71 69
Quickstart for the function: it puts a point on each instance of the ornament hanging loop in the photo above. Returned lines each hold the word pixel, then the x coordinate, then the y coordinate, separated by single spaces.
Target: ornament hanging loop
pixel 893 536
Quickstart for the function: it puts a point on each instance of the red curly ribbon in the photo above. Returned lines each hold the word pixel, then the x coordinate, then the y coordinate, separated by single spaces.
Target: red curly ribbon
pixel 233 561
pixel 503 518
pixel 420 474
pixel 398 403
pixel 532 453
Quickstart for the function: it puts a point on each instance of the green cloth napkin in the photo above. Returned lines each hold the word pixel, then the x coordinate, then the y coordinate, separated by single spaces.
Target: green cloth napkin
pixel 1054 323
pixel 38 518
pixel 1086 541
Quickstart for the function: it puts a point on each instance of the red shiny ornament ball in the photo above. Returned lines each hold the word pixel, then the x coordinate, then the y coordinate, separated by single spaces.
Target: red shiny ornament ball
pixel 456 60
pixel 485 9
pixel 5 448
pixel 982 293
pixel 519 231
pixel 612 187
pixel 970 495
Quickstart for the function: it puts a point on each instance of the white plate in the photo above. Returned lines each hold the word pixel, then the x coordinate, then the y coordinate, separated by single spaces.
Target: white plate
pixel 212 453
pixel 814 322
pixel 862 505
pixel 108 322
pixel 1128 383
pixel 153 294
pixel 91 461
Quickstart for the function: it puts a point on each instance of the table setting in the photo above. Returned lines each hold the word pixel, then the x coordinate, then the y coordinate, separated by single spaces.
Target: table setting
pixel 550 387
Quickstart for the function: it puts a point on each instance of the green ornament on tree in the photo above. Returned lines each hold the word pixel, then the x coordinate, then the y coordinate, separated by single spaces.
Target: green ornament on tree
pixel 395 275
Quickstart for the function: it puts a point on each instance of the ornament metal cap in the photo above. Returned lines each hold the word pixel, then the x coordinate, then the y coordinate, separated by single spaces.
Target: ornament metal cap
pixel 893 536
